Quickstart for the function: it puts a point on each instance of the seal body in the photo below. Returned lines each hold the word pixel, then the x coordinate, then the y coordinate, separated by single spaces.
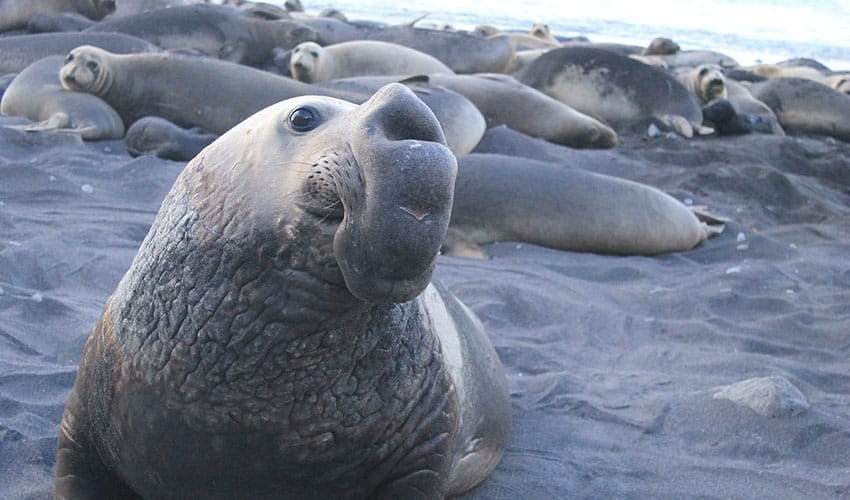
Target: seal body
pixel 806 105
pixel 36 94
pixel 157 136
pixel 313 63
pixel 616 89
pixel 508 198
pixel 218 31
pixel 504 101
pixel 16 13
pixel 189 91
pixel 277 336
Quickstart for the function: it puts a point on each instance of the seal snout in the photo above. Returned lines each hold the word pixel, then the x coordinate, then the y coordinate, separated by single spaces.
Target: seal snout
pixel 400 115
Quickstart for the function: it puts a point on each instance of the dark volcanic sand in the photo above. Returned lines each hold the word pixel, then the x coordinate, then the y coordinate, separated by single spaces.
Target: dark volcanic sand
pixel 613 362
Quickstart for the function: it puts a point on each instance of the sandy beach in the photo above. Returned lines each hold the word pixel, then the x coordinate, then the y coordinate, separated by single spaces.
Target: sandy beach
pixel 619 367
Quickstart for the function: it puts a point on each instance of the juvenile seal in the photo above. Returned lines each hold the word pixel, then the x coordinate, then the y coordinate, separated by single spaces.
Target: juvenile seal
pixel 313 63
pixel 504 101
pixel 661 46
pixel 159 137
pixel 277 336
pixel 507 198
pixel 706 82
pixel 758 115
pixel 189 91
pixel 36 94
pixel 806 105
pixel 16 13
pixel 616 89
pixel 218 31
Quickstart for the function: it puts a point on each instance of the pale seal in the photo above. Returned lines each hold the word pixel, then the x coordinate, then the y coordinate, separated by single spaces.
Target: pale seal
pixel 706 82
pixel 16 13
pixel 36 94
pixel 189 91
pixel 806 106
pixel 507 198
pixel 277 336
pixel 616 89
pixel 312 63
pixel 218 31
pixel 504 101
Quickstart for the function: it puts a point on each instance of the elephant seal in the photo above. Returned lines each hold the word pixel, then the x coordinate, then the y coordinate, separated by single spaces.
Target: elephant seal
pixel 706 82
pixel 776 71
pixel 66 21
pixel 36 94
pixel 312 63
pixel 189 91
pixel 218 31
pixel 504 101
pixel 840 81
pixel 616 89
pixel 507 198
pixel 542 31
pixel 661 46
pixel 691 58
pixel 16 13
pixel 720 115
pixel 806 105
pixel 277 335
pixel 152 135
pixel 18 52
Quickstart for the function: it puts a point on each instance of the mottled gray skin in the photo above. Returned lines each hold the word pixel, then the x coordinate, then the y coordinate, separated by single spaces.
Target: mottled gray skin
pixel 159 137
pixel 614 88
pixel 806 106
pixel 504 101
pixel 462 52
pixel 18 52
pixel 218 31
pixel 272 338
pixel 66 21
pixel 462 123
pixel 36 94
pixel 16 13
pixel 189 91
pixel 508 198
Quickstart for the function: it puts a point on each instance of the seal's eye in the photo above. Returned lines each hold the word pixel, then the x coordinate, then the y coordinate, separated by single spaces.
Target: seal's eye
pixel 69 58
pixel 703 71
pixel 304 119
pixel 91 65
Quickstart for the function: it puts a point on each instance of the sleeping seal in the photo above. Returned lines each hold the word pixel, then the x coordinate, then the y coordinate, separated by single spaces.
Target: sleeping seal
pixel 806 105
pixel 277 335
pixel 16 13
pixel 616 89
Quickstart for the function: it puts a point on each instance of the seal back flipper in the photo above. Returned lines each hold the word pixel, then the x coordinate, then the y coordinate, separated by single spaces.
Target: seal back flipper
pixel 713 224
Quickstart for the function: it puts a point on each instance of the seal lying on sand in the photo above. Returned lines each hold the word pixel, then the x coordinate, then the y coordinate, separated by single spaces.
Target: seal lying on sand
pixel 277 336
pixel 313 63
pixel 218 31
pixel 36 94
pixel 806 105
pixel 157 136
pixel 216 95
pixel 189 91
pixel 614 88
pixel 16 13
pixel 507 198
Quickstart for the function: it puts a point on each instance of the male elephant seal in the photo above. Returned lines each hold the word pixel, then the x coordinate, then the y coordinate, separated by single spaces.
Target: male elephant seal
pixel 16 13
pixel 277 336
pixel 36 94
pixel 614 88
pixel 313 63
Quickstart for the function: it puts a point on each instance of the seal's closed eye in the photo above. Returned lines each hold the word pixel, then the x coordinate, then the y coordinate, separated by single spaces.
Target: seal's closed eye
pixel 304 119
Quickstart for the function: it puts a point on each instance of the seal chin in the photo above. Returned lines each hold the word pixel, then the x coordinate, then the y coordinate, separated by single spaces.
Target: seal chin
pixel 376 289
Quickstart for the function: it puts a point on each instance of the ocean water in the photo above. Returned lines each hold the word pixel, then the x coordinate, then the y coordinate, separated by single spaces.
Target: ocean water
pixel 751 31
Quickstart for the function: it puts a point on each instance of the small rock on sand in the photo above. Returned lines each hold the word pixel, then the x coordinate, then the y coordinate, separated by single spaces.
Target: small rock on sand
pixel 772 396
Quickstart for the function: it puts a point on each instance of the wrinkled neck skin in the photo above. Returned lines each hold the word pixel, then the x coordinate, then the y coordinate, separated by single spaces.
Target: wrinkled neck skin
pixel 241 317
